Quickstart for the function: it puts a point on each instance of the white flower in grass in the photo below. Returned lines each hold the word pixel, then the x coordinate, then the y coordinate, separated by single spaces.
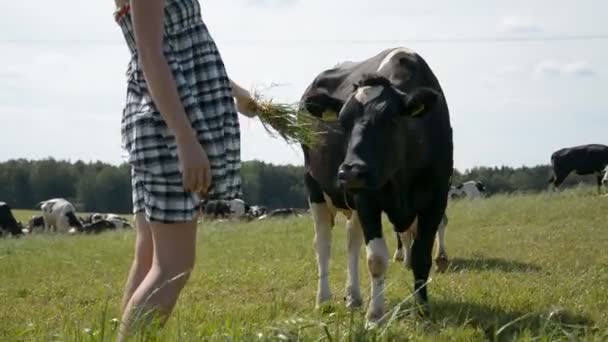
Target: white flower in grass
pixel 87 331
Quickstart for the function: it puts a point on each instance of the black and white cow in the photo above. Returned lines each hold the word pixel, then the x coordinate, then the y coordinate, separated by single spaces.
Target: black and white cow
pixel 59 215
pixel 37 221
pixel 96 227
pixel 386 146
pixel 583 159
pixel 470 189
pixel 605 177
pixel 8 223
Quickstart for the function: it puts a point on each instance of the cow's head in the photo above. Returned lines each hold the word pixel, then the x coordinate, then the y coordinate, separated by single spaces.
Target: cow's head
pixel 373 118
pixel 73 221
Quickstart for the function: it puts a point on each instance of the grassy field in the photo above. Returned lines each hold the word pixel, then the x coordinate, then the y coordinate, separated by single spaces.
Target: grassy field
pixel 522 268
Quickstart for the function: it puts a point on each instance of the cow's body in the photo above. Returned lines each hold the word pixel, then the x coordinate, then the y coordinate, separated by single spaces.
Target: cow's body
pixel 59 215
pixel 222 209
pixel 8 223
pixel 469 189
pixel 391 151
pixel 98 226
pixel 584 160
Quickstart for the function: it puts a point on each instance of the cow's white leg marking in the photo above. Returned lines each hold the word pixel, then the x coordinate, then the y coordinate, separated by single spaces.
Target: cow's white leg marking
pixel 441 259
pixel 377 262
pixel 354 240
pixel 322 218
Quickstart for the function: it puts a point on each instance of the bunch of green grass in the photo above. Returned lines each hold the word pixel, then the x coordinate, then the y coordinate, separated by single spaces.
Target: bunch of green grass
pixel 286 121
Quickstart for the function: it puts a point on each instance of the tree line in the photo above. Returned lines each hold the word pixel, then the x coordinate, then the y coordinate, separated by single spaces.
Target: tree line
pixel 102 187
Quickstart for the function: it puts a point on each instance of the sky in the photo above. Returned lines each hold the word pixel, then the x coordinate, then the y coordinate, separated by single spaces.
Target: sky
pixel 516 88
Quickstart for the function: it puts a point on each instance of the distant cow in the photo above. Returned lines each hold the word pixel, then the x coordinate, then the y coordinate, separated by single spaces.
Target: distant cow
pixel 470 189
pixel 119 221
pixel 584 160
pixel 605 177
pixel 216 209
pixel 258 210
pixel 280 213
pixel 96 227
pixel 37 221
pixel 221 209
pixel 385 145
pixel 441 257
pixel 8 224
pixel 59 215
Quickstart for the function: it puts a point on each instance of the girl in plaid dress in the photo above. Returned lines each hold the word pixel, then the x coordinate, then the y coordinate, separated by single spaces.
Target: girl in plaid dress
pixel 181 132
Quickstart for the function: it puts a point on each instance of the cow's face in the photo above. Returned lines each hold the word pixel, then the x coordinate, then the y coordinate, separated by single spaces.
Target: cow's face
pixel 373 118
pixel 73 221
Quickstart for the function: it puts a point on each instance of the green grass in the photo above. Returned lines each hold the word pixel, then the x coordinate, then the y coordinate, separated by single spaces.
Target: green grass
pixel 522 268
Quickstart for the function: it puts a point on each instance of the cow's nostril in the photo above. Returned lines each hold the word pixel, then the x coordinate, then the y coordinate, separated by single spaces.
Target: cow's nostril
pixel 342 175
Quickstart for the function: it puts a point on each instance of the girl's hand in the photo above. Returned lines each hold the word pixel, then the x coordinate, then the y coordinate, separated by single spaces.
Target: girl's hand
pixel 245 104
pixel 196 172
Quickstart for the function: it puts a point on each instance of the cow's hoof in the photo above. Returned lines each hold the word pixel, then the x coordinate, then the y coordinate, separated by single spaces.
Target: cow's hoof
pixel 323 299
pixel 325 307
pixel 421 308
pixel 441 263
pixel 398 256
pixel 374 317
pixel 353 302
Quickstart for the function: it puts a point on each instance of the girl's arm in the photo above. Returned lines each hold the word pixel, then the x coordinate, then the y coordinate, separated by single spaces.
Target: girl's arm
pixel 148 26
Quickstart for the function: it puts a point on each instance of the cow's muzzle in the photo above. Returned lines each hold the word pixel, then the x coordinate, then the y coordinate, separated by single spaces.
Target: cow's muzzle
pixel 353 177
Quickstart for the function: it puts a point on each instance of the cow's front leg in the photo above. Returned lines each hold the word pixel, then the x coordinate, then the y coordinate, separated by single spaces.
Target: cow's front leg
pixel 354 240
pixel 441 258
pixel 422 254
pixel 323 221
pixel 377 255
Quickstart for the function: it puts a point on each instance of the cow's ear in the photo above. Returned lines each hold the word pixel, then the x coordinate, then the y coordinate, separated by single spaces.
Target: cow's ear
pixel 420 101
pixel 323 106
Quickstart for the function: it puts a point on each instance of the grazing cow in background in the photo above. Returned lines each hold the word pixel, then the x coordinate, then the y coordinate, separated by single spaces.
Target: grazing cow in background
pixel 224 208
pixel 470 189
pixel 59 215
pixel 280 213
pixel 37 221
pixel 118 221
pixel 584 160
pixel 385 146
pixel 258 210
pixel 216 209
pixel 605 177
pixel 8 224
pixel 238 208
pixel 96 227
pixel 441 257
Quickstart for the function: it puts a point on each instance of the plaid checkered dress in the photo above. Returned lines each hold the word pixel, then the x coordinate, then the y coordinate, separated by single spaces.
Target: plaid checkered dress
pixel 205 92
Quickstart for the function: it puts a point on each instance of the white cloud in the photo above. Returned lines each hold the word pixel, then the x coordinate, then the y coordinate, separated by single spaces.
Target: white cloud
pixel 508 69
pixel 552 68
pixel 519 25
pixel 581 68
